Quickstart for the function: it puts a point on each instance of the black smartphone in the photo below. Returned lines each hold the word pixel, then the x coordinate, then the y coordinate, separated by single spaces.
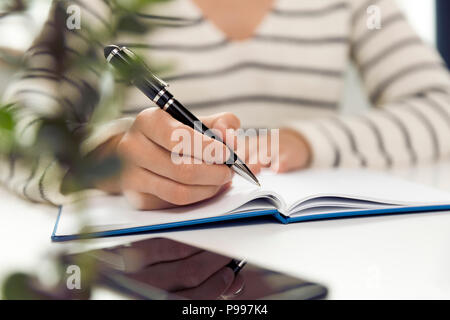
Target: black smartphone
pixel 164 269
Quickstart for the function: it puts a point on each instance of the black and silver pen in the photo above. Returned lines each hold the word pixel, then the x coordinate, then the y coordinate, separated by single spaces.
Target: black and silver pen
pixel 236 265
pixel 135 71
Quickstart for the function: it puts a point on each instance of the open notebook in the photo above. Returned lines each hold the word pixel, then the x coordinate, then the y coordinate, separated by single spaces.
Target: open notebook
pixel 294 197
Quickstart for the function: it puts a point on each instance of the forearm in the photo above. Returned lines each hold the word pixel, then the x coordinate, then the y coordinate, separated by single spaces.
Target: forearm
pixel 408 132
pixel 409 88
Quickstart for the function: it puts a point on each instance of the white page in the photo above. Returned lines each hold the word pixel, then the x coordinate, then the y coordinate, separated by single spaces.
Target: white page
pixel 352 183
pixel 113 212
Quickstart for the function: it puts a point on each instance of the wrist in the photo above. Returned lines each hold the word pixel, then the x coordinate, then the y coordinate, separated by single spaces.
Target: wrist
pixel 110 184
pixel 107 149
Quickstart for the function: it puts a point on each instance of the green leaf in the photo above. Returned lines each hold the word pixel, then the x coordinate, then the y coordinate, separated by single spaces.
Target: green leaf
pixel 6 141
pixel 6 118
pixel 18 286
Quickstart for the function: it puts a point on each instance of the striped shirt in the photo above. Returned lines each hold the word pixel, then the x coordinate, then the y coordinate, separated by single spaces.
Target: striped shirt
pixel 290 73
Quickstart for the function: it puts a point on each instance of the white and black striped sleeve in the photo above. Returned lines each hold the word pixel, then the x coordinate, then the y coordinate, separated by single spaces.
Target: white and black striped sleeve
pixel 51 82
pixel 409 87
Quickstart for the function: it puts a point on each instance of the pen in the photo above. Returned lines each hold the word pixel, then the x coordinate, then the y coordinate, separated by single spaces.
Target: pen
pixel 134 70
pixel 236 265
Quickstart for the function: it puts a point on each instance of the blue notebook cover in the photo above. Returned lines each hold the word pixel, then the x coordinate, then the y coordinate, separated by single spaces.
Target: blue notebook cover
pixel 239 216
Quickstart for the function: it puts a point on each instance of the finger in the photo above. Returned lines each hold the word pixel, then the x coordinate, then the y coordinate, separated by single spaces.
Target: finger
pixel 280 165
pixel 247 148
pixel 253 163
pixel 225 119
pixel 176 137
pixel 225 123
pixel 185 273
pixel 248 151
pixel 235 289
pixel 144 181
pixel 146 154
pixel 145 253
pixel 212 288
pixel 145 201
pixel 285 162
pixel 265 155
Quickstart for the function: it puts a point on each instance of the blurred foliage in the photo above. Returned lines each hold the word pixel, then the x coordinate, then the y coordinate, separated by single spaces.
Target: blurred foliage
pixel 61 135
pixel 126 15
pixel 6 118
pixel 23 286
pixel 7 125
pixel 18 286
pixel 135 5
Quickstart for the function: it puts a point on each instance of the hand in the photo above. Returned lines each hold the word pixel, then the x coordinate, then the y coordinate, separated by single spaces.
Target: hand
pixel 292 153
pixel 178 268
pixel 152 180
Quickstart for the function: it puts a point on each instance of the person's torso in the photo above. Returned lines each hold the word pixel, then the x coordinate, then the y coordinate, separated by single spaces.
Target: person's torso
pixel 291 68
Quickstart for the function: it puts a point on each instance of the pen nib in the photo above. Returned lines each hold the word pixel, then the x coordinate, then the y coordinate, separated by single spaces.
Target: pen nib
pixel 241 169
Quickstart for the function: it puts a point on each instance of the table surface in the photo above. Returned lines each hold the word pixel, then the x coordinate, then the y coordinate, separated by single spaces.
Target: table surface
pixel 384 257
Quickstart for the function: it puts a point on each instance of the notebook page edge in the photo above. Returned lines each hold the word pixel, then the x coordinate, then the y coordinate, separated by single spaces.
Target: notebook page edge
pixel 70 223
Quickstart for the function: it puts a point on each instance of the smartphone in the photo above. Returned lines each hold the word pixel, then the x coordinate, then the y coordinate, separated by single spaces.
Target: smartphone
pixel 164 269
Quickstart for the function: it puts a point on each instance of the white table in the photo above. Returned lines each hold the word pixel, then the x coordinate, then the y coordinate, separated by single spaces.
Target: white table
pixel 387 257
